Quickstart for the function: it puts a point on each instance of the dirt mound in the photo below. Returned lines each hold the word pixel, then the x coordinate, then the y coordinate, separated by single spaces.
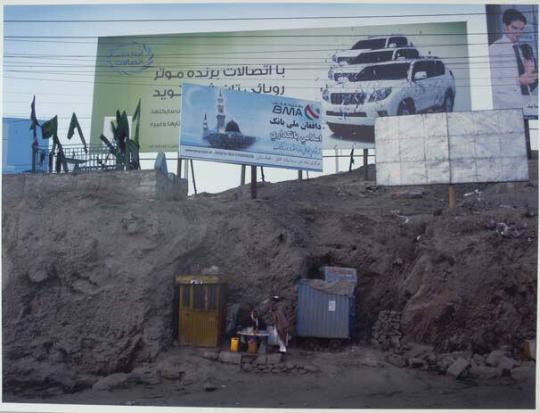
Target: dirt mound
pixel 88 275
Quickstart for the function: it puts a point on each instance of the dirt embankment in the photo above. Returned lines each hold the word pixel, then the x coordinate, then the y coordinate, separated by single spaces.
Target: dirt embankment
pixel 88 275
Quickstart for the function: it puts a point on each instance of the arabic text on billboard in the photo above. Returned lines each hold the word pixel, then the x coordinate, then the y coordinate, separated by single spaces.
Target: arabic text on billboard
pixel 357 73
pixel 225 125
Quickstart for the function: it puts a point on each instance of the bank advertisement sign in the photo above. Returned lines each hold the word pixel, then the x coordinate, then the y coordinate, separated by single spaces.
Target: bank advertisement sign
pixel 224 125
pixel 513 54
pixel 357 74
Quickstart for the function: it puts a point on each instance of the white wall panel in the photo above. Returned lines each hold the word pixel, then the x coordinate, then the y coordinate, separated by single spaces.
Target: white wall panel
pixel 460 147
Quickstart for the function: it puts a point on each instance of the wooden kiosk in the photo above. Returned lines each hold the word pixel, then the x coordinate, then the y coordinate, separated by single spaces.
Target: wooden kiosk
pixel 201 311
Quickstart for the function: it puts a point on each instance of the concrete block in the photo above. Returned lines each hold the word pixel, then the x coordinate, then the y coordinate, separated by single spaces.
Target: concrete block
pixel 524 373
pixel 494 357
pixel 260 361
pixel 505 365
pixel 483 372
pixel 230 358
pixel 210 355
pixel 458 368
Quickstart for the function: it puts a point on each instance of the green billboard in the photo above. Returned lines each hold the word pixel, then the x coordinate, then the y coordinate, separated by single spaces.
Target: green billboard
pixel 299 63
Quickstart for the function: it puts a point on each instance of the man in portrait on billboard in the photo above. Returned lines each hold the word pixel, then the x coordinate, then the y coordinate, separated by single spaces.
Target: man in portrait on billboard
pixel 514 73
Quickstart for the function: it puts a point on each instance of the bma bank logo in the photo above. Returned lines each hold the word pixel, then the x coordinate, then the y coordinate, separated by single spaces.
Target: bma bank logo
pixel 131 58
pixel 312 113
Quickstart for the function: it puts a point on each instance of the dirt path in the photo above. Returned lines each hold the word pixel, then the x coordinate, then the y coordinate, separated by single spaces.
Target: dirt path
pixel 356 378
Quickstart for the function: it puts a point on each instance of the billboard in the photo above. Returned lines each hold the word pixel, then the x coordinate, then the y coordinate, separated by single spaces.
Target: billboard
pixel 513 54
pixel 225 125
pixel 299 63
pixel 451 148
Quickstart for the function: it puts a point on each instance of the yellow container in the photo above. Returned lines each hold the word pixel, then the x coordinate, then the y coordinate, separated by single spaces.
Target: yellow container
pixel 234 344
pixel 252 346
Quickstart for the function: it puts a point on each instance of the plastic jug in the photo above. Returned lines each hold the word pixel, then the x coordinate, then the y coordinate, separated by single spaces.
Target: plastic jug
pixel 234 344
pixel 252 345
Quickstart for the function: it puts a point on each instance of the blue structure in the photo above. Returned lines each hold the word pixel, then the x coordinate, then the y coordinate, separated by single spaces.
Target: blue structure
pixel 17 147
pixel 325 309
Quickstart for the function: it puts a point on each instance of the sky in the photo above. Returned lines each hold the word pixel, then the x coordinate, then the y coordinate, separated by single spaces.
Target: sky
pixel 59 70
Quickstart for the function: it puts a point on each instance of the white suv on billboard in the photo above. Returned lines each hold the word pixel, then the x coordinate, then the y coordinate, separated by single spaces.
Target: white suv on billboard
pixel 389 89
pixel 371 43
pixel 371 57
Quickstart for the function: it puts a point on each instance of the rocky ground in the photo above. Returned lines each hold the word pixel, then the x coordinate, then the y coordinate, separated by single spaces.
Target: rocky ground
pixel 358 377
pixel 88 287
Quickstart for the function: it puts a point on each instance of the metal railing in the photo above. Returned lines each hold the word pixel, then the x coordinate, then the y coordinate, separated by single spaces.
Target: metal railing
pixel 96 158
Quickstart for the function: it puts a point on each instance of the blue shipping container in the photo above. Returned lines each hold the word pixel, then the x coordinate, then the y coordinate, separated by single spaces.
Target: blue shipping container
pixel 325 309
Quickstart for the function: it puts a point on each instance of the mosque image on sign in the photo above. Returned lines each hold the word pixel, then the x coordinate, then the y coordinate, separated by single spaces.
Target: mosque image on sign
pixel 225 136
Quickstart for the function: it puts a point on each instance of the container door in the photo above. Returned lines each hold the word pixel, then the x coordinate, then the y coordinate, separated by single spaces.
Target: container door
pixel 199 315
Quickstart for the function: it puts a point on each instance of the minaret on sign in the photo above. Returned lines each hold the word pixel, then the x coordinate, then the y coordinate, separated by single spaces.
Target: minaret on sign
pixel 205 126
pixel 221 113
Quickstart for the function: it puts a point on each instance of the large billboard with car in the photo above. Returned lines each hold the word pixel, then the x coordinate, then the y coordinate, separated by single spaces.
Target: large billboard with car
pixel 357 73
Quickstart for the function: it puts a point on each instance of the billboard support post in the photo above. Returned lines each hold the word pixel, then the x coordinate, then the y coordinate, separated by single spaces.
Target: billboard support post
pixel 451 196
pixel 299 174
pixel 193 176
pixel 178 166
pixel 262 174
pixel 243 175
pixel 253 182
pixel 186 170
pixel 337 159
pixel 366 165
pixel 528 138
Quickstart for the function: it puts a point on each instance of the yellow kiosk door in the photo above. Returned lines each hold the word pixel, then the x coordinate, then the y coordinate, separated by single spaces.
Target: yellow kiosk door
pixel 199 315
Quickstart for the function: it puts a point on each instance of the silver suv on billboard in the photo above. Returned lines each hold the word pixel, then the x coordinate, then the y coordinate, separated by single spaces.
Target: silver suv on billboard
pixel 400 87
pixel 371 43
pixel 371 57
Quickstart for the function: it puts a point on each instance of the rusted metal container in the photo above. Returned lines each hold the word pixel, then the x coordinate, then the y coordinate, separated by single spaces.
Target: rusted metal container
pixel 201 311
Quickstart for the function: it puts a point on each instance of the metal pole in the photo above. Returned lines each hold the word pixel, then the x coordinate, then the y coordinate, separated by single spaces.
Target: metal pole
pixel 351 161
pixel 178 166
pixel 337 159
pixel 528 138
pixel 299 174
pixel 186 170
pixel 243 175
pixel 451 196
pixel 262 174
pixel 253 182
pixel 366 175
pixel 193 176
pixel 34 150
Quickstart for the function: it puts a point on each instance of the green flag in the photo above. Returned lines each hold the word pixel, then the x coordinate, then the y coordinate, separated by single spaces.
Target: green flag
pixel 50 128
pixel 75 124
